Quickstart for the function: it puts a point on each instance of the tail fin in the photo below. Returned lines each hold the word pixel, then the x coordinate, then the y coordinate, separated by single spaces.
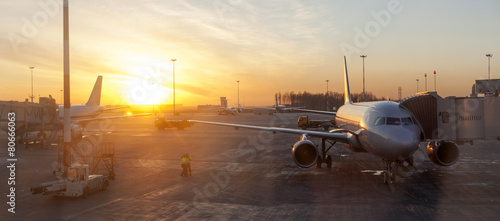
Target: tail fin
pixel 347 91
pixel 95 97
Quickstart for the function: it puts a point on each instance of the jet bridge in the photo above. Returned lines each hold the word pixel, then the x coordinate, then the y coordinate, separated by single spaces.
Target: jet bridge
pixel 458 119
pixel 35 123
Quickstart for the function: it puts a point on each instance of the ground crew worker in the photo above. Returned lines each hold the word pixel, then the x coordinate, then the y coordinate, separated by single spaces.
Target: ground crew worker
pixel 188 164
pixel 184 161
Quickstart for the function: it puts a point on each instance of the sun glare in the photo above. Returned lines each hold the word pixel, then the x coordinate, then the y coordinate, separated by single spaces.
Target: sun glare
pixel 146 83
pixel 146 91
pixel 151 94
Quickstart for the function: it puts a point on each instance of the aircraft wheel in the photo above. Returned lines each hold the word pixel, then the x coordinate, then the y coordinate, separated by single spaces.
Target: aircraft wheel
pixel 328 161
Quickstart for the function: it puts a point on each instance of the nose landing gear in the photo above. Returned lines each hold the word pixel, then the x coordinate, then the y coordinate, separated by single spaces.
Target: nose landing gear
pixel 390 171
pixel 392 168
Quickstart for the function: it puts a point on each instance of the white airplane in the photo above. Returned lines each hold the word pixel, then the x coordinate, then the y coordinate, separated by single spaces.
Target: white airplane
pixel 85 113
pixel 228 111
pixel 383 128
pixel 80 116
pixel 88 111
pixel 279 108
pixel 283 108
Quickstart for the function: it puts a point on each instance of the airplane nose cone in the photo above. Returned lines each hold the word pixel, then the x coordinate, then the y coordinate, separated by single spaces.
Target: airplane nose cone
pixel 404 143
pixel 396 143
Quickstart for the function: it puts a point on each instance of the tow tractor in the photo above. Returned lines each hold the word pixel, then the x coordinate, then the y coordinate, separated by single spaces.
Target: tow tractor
pixel 304 122
pixel 77 184
pixel 161 123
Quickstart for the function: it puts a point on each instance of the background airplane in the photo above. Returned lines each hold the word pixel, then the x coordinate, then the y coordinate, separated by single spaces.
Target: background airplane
pixel 81 115
pixel 283 108
pixel 384 129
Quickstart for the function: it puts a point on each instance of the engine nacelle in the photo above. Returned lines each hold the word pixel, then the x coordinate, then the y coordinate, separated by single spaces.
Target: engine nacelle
pixel 305 153
pixel 443 153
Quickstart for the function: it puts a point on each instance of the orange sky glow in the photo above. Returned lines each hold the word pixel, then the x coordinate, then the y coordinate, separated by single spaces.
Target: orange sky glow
pixel 269 47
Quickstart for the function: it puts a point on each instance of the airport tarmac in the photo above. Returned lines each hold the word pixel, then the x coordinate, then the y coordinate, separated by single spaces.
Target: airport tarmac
pixel 250 175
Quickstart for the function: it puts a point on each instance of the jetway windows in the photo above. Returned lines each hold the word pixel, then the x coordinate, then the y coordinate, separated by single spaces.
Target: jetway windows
pixel 469 118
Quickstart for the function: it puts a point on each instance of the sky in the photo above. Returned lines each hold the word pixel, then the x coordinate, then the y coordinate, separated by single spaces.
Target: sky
pixel 269 46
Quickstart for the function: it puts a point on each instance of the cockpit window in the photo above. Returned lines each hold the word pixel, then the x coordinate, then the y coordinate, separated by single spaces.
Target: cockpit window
pixel 406 121
pixel 393 121
pixel 379 121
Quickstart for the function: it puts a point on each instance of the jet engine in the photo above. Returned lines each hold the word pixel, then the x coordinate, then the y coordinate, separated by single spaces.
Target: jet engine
pixel 443 153
pixel 305 153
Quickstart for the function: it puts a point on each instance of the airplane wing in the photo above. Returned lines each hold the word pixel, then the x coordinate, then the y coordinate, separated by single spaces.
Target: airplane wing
pixel 337 136
pixel 317 111
pixel 85 120
pixel 115 108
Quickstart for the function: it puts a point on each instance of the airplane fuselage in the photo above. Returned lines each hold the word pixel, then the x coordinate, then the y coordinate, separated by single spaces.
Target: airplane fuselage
pixel 384 128
pixel 81 111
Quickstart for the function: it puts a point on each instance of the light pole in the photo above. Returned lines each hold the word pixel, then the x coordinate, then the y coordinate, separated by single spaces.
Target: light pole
pixel 173 62
pixel 489 56
pixel 61 102
pixel 327 103
pixel 435 81
pixel 32 96
pixel 400 89
pixel 238 93
pixel 363 56
pixel 417 86
pixel 67 90
pixel 425 81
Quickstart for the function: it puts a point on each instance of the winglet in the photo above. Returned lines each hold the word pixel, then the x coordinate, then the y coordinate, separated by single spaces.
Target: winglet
pixel 347 91
pixel 95 97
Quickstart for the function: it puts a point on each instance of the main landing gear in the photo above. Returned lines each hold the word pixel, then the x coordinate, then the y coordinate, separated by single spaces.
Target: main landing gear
pixel 324 158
